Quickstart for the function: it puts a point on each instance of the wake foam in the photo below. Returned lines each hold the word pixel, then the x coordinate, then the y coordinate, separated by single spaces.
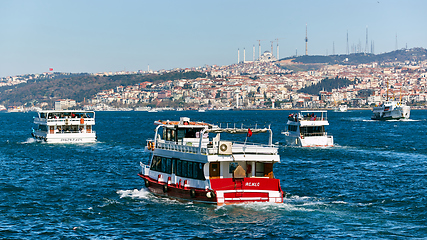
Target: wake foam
pixel 134 194
pixel 29 141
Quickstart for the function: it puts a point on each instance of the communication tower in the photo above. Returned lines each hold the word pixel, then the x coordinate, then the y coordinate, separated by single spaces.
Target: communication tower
pixel 306 40
pixel 348 52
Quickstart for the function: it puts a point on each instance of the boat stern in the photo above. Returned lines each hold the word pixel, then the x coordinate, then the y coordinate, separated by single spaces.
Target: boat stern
pixel 247 190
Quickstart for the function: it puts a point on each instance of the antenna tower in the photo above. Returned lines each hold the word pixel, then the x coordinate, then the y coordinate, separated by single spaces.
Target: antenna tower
pixel 306 40
pixel 366 44
pixel 347 44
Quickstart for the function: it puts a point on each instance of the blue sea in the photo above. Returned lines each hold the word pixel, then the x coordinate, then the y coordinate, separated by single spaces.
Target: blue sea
pixel 371 185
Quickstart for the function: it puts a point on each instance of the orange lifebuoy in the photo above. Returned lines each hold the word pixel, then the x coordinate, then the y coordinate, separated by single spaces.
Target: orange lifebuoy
pixel 82 121
pixel 151 146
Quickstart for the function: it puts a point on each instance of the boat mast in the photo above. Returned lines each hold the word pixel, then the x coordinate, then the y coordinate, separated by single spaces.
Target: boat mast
pixel 387 90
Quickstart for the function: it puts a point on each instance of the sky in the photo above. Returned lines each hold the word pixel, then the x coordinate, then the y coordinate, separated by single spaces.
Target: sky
pixel 129 35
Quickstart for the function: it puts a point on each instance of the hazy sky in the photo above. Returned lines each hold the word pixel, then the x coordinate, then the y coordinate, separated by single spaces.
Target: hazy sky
pixel 105 35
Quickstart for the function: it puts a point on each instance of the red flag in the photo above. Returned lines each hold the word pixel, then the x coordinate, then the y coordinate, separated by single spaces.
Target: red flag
pixel 50 69
pixel 249 132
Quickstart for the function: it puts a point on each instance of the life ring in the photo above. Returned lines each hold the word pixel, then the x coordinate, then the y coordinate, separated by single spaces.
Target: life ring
pixel 150 146
pixel 223 147
pixel 165 188
pixel 192 193
pixel 147 183
pixel 82 121
pixel 210 194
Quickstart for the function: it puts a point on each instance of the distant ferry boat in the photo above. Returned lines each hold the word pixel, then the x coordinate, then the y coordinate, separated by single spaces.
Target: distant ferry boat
pixel 307 129
pixel 65 126
pixel 391 110
pixel 188 164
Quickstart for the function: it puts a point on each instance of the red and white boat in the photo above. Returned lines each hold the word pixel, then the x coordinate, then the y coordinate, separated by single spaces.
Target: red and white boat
pixel 191 161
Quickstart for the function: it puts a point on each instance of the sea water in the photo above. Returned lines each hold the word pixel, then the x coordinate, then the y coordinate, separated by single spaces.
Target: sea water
pixel 371 185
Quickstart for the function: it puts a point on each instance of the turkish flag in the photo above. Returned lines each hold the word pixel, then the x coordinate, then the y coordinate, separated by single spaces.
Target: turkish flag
pixel 50 69
pixel 249 132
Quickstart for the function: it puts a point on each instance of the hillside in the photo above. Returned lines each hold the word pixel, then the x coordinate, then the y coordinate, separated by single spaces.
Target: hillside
pixel 326 85
pixel 402 55
pixel 78 86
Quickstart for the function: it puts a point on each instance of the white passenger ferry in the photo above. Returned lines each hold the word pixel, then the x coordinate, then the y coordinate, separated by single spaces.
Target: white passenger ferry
pixel 65 126
pixel 191 161
pixel 391 110
pixel 307 129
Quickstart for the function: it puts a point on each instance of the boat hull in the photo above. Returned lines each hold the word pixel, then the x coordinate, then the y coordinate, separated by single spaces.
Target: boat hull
pixel 314 141
pixel 223 192
pixel 66 138
pixel 396 114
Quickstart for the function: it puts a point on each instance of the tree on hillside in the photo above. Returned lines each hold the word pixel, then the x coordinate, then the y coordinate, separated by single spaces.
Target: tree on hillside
pixel 326 85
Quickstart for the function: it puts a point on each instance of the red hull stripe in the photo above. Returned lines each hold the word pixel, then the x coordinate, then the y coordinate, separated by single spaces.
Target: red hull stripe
pixel 226 191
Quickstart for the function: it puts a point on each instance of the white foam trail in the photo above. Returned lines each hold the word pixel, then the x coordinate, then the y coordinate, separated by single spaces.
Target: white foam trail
pixel 140 194
pixel 29 140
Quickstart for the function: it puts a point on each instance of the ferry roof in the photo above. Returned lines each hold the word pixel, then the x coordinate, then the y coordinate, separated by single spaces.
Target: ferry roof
pixel 65 111
pixel 210 128
pixel 314 111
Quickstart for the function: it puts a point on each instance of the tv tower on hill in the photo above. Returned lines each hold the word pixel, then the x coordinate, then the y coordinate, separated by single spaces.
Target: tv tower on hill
pixel 348 52
pixel 366 44
pixel 306 40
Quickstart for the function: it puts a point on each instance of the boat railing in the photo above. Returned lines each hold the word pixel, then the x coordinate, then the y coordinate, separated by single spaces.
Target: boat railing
pixel 145 169
pixel 172 146
pixel 314 134
pixel 253 148
pixel 237 148
pixel 65 121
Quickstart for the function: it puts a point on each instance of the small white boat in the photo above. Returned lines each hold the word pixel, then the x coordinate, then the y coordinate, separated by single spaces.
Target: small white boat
pixel 342 108
pixel 307 129
pixel 65 126
pixel 188 164
pixel 391 110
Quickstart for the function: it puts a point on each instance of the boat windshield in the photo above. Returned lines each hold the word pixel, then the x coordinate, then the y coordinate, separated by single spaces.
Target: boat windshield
pixel 313 130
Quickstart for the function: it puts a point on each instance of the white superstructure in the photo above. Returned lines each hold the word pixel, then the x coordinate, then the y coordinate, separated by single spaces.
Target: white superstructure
pixel 193 161
pixel 391 110
pixel 307 129
pixel 65 126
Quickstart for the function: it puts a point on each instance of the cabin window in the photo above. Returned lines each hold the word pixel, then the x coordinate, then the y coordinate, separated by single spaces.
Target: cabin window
pixel 190 169
pixel 43 128
pixel 156 163
pixel 232 166
pixel 184 168
pixel 181 133
pixel 178 167
pixel 313 131
pixel 292 128
pixel 169 134
pixel 173 165
pixel 259 167
pixel 195 172
pixel 169 165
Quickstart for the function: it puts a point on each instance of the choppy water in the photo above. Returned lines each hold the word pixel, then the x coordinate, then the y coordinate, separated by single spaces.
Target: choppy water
pixel 372 185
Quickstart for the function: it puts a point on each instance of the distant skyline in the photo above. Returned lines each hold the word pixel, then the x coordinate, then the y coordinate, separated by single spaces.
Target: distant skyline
pixel 103 35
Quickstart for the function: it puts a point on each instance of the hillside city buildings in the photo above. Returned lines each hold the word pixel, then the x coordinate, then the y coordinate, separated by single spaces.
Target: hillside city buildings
pixel 268 84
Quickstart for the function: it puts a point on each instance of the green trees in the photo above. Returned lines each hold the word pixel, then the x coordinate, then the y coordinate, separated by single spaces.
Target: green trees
pixel 326 85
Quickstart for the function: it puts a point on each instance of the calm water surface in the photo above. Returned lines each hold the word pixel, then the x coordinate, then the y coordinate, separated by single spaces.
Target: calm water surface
pixel 371 185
